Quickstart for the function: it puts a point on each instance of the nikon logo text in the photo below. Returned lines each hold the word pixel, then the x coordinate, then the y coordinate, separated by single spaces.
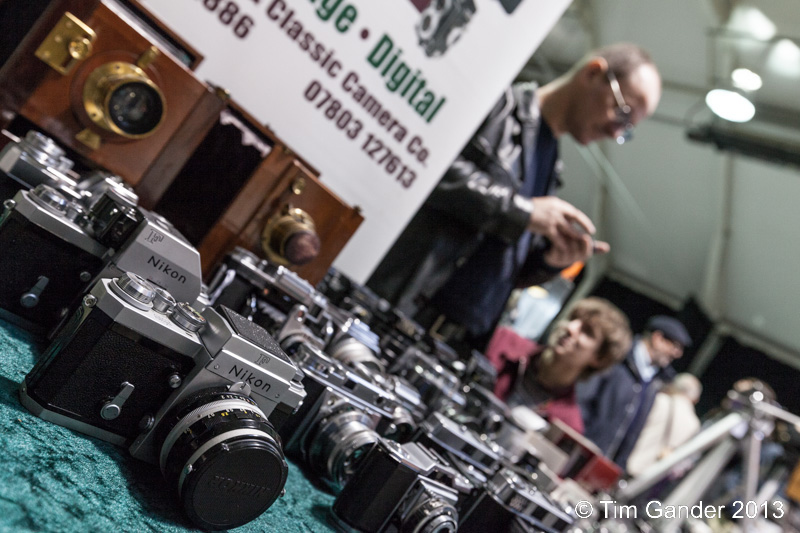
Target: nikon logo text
pixel 248 377
pixel 166 268
pixel 226 484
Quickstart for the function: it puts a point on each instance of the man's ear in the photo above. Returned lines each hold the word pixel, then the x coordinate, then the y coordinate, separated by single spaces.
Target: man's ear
pixel 596 66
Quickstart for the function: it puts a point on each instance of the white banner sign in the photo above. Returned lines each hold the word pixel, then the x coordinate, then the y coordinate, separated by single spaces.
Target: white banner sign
pixel 378 95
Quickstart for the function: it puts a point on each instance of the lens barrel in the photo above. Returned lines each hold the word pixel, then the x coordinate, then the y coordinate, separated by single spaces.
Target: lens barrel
pixel 224 458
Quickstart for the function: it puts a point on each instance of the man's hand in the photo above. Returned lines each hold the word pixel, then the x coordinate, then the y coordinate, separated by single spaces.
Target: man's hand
pixel 568 229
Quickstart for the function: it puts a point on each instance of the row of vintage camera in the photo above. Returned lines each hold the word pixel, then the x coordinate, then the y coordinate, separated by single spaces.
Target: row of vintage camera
pixel 213 389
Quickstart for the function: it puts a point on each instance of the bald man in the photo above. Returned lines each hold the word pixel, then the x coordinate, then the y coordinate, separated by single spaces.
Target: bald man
pixel 493 222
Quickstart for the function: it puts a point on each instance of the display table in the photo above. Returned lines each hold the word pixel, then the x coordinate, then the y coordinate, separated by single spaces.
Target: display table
pixel 53 479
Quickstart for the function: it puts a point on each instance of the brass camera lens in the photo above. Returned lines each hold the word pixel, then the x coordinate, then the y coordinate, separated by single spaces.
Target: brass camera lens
pixel 290 238
pixel 119 97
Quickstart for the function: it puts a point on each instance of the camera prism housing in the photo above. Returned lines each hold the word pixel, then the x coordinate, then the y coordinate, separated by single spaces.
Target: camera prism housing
pixel 198 395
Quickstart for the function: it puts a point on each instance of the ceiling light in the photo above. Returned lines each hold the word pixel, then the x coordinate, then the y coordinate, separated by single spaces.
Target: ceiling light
pixel 745 79
pixel 752 21
pixel 784 58
pixel 730 105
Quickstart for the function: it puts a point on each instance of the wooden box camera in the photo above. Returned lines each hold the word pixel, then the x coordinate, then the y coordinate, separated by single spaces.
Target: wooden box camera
pixel 244 187
pixel 108 82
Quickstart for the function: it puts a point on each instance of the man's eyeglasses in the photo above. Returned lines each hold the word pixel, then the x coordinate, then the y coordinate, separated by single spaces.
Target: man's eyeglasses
pixel 623 110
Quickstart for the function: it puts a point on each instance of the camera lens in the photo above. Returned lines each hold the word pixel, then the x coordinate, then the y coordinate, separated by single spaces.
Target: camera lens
pixel 340 444
pixel 136 108
pixel 431 516
pixel 121 98
pixel 354 353
pixel 223 456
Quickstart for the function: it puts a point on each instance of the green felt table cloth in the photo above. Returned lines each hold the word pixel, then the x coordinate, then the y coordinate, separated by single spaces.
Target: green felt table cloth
pixel 54 479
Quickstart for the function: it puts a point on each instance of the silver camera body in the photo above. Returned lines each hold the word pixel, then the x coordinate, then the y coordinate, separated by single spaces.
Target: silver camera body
pixel 199 395
pixel 440 388
pixel 344 415
pixel 33 160
pixel 55 247
pixel 458 444
pixel 510 496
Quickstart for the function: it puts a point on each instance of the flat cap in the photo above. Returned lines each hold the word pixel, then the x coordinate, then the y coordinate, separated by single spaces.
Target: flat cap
pixel 671 328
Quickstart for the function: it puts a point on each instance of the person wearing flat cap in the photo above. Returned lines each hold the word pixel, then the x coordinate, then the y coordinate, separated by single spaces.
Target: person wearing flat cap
pixel 615 404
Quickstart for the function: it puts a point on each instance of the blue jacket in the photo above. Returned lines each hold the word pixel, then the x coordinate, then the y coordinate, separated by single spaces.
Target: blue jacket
pixel 615 405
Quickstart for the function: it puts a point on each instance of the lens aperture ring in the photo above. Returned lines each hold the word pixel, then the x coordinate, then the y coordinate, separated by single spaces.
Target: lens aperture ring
pixel 235 402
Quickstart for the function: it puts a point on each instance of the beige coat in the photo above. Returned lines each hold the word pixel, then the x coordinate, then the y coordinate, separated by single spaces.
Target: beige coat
pixel 671 422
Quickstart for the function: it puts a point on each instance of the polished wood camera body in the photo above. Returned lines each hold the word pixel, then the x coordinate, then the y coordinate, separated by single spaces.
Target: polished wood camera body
pixel 87 73
pixel 243 187
pixel 64 63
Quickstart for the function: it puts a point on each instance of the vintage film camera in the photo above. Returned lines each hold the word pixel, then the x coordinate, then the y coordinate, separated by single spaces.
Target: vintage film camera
pixel 261 290
pixel 270 294
pixel 396 331
pixel 249 189
pixel 295 312
pixel 401 488
pixel 344 415
pixel 350 342
pixel 33 160
pixel 511 496
pixel 440 388
pixel 55 245
pixel 199 395
pixel 474 456
pixel 109 82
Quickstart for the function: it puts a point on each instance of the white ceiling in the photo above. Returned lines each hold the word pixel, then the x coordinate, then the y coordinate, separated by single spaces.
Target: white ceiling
pixel 684 218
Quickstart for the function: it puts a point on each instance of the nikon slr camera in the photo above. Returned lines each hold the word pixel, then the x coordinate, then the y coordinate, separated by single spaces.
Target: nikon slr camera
pixel 199 395
pixel 60 237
